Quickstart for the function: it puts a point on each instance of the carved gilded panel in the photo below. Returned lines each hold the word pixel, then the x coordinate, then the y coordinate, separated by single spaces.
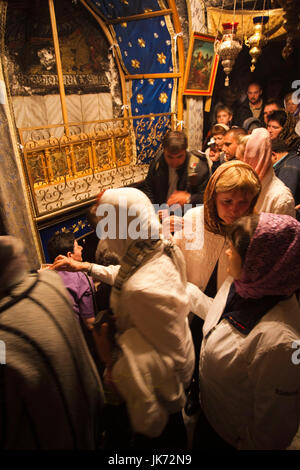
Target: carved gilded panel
pixel 65 171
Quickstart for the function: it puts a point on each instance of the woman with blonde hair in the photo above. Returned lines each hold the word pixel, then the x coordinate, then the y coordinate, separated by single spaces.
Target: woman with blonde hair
pixel 231 192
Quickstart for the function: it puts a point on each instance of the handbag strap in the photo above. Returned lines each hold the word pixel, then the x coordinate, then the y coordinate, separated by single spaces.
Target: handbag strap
pixel 93 295
pixel 98 314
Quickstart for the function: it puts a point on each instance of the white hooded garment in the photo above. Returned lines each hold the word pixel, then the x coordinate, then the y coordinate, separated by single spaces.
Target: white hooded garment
pixel 151 309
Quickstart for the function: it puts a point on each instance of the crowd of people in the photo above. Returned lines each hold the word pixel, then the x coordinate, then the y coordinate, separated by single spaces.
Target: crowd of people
pixel 190 313
pixel 279 118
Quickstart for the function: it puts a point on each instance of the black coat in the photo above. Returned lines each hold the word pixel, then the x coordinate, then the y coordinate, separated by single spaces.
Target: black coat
pixel 156 184
pixel 288 170
pixel 243 112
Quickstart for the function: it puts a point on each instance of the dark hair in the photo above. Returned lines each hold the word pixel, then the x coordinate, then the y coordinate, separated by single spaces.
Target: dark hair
pixel 222 107
pixel 279 145
pixel 252 123
pixel 279 116
pixel 237 132
pixel 273 101
pixel 60 244
pixel 288 95
pixel 254 82
pixel 218 129
pixel 241 232
pixel 175 141
pixel 106 258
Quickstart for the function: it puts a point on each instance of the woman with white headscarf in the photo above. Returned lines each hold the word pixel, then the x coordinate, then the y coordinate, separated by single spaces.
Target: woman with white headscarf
pixel 256 150
pixel 155 358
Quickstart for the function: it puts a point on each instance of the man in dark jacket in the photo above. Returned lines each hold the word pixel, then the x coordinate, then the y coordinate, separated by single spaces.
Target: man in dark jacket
pixel 253 106
pixel 287 168
pixel 176 176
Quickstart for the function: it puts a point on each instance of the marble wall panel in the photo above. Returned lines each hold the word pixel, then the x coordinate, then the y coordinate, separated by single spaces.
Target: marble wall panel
pixel 105 105
pixel 54 113
pixel 30 111
pixel 45 110
pixel 19 110
pixel 90 110
pixel 74 110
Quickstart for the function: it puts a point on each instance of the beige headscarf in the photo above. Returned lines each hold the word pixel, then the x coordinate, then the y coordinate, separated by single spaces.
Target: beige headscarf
pixel 258 151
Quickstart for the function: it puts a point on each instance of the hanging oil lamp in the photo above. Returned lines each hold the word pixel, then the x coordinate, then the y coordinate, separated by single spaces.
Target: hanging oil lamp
pixel 228 48
pixel 257 40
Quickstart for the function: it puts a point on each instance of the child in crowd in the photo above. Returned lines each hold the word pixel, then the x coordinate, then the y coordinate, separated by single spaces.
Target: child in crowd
pixel 214 149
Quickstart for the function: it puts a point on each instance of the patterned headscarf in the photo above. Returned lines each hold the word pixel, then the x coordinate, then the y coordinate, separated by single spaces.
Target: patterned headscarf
pixel 272 263
pixel 288 133
pixel 212 221
pixel 258 151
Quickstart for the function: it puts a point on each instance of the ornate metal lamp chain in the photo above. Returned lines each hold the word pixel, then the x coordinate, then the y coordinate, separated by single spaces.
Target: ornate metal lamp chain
pixel 222 7
pixel 242 20
pixel 262 16
pixel 250 17
pixel 234 7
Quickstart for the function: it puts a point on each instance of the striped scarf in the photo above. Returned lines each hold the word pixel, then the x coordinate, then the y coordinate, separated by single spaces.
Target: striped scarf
pixel 137 253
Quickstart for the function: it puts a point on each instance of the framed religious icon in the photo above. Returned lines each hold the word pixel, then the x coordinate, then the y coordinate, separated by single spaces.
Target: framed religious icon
pixel 201 67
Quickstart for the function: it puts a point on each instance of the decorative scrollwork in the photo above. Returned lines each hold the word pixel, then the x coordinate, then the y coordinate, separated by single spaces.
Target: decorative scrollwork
pixel 81 188
pixel 75 130
pixel 52 199
pixel 40 135
pixel 77 165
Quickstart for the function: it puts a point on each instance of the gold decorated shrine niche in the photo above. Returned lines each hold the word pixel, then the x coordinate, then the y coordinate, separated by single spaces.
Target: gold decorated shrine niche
pixel 64 171
pixel 61 78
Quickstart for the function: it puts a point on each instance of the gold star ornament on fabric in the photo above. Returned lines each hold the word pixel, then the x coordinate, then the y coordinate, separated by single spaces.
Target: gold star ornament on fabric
pixel 161 58
pixel 139 98
pixel 135 64
pixel 141 42
pixel 163 97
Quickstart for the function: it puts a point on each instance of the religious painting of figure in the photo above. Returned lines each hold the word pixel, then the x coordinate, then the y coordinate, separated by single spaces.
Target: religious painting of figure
pixel 202 63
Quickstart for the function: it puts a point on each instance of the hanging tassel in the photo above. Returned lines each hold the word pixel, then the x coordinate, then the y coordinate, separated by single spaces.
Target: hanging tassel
pixel 175 41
